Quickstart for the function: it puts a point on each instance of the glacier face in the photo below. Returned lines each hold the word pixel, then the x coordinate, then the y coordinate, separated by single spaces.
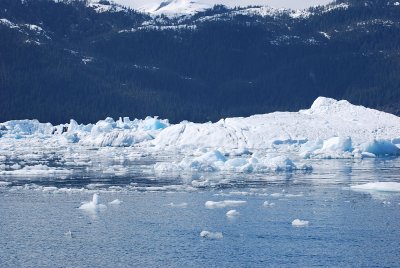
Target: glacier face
pixel 329 129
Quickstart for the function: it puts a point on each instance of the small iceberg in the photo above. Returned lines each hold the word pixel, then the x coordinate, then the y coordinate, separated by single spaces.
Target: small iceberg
pixel 68 234
pixel 223 204
pixel 115 202
pixel 232 213
pixel 300 223
pixel 268 204
pixel 377 186
pixel 93 206
pixel 211 235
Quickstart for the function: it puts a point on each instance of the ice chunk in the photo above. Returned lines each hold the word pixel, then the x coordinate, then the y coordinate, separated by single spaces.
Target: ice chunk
pixel 225 203
pixel 337 144
pixel 211 235
pixel 179 205
pixel 154 124
pixel 115 202
pixel 300 223
pixel 381 148
pixel 20 128
pixel 166 167
pixel 49 189
pixel 93 206
pixel 236 162
pixel 210 161
pixel 68 234
pixel 36 170
pixel 232 213
pixel 268 204
pixel 334 147
pixel 282 164
pixel 214 161
pixel 378 186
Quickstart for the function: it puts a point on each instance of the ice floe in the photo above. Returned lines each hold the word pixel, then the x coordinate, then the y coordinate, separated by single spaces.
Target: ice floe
pixel 378 186
pixel 300 223
pixel 232 213
pixel 211 235
pixel 224 204
pixel 115 202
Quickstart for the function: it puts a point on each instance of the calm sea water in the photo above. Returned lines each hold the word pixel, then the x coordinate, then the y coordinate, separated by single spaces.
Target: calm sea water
pixel 45 228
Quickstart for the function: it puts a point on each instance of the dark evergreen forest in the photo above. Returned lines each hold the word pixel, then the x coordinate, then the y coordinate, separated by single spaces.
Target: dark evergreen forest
pixel 86 65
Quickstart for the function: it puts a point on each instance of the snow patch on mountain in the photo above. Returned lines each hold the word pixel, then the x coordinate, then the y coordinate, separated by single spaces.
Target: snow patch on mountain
pixel 188 7
pixel 34 32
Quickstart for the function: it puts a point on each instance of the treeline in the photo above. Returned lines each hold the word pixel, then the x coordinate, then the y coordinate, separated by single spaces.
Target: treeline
pixel 243 65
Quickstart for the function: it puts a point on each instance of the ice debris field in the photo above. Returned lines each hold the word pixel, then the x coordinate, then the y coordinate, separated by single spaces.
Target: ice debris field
pixel 275 142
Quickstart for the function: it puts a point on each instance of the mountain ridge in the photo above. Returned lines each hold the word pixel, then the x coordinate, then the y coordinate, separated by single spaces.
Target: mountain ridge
pixel 182 7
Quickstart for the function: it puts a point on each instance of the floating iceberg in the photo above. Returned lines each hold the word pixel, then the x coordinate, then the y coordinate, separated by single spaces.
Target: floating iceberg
pixel 381 148
pixel 232 213
pixel 378 186
pixel 223 204
pixel 268 204
pixel 115 202
pixel 211 235
pixel 271 142
pixel 214 160
pixel 94 205
pixel 300 223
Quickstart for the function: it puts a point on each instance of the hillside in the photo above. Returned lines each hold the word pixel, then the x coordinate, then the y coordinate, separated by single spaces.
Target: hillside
pixel 62 60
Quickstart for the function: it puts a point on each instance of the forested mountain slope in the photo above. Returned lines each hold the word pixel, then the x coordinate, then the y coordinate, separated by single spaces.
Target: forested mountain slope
pixel 68 59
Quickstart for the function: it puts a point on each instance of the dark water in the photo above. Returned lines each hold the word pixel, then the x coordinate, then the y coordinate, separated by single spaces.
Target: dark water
pixel 346 228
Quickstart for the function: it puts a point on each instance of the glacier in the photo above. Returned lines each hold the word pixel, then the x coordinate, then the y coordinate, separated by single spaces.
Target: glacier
pixel 266 143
